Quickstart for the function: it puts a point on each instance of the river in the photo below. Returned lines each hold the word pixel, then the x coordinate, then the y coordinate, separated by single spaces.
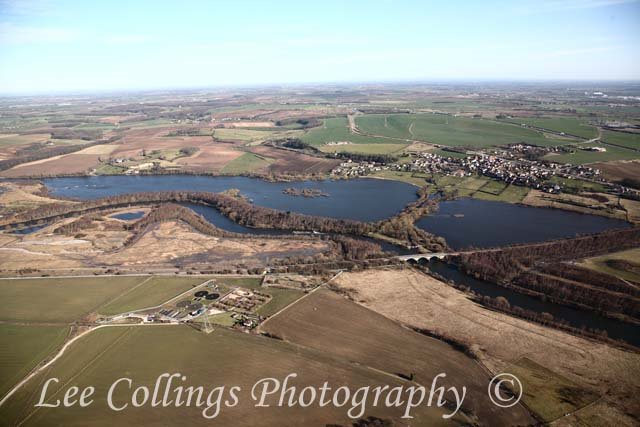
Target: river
pixel 574 317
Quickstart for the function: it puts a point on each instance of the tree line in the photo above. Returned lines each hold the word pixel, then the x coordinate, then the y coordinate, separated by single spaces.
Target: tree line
pixel 535 269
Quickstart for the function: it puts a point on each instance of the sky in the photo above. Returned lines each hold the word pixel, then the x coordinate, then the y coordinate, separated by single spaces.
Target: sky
pixel 53 46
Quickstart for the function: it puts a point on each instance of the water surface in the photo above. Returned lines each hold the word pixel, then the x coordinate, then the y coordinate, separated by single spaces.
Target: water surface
pixel 357 199
pixel 482 224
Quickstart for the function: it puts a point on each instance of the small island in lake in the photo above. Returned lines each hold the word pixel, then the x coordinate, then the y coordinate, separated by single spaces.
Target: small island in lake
pixel 305 192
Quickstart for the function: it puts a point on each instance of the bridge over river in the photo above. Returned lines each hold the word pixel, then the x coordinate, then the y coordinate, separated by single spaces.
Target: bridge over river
pixel 426 257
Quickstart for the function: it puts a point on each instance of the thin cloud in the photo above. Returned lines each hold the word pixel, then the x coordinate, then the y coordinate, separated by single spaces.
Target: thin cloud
pixel 568 5
pixel 19 34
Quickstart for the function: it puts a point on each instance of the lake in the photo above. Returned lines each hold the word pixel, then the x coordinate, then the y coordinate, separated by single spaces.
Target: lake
pixel 357 199
pixel 483 224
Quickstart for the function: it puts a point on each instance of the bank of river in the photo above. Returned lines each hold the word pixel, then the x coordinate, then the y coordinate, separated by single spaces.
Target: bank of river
pixel 574 317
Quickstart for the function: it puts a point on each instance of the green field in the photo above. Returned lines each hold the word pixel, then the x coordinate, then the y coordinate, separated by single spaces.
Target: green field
pixel 248 162
pixel 364 148
pixel 623 139
pixel 23 347
pixel 510 194
pixel 581 157
pixel 578 185
pixel 451 131
pixel 550 395
pixel 280 298
pixel 221 358
pixel 568 125
pixel 337 130
pixel 244 282
pixel 59 299
pixel 408 177
pixel 149 293
pixel 600 264
pixel 481 187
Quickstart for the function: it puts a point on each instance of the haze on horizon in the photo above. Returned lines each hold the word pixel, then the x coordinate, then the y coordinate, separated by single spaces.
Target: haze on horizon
pixel 49 46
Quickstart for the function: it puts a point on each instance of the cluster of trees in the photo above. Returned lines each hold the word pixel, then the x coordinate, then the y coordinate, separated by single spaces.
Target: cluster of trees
pixel 364 157
pixel 304 123
pixel 579 294
pixel 83 134
pixel 594 278
pixel 298 144
pixel 401 226
pixel 83 223
pixel 356 248
pixel 534 269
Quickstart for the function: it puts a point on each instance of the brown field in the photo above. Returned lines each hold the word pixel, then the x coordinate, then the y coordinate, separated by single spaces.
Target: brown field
pixel 171 243
pixel 167 245
pixel 329 322
pixel 212 157
pixel 20 196
pixel 288 161
pixel 70 163
pixel 80 161
pixel 500 340
pixel 249 124
pixel 616 171
pixel 154 139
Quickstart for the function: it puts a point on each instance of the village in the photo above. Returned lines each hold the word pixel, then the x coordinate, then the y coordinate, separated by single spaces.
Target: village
pixel 516 164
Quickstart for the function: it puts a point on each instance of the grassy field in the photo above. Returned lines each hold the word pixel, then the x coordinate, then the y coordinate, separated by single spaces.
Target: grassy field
pixel 578 184
pixel 23 347
pixel 600 264
pixel 280 298
pixel 550 395
pixel 242 135
pixel 149 293
pixel 221 358
pixel 450 131
pixel 244 282
pixel 364 148
pixel 568 125
pixel 328 322
pixel 623 139
pixel 582 157
pixel 59 299
pixel 248 162
pixel 408 177
pixel 337 130
pixel 466 186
